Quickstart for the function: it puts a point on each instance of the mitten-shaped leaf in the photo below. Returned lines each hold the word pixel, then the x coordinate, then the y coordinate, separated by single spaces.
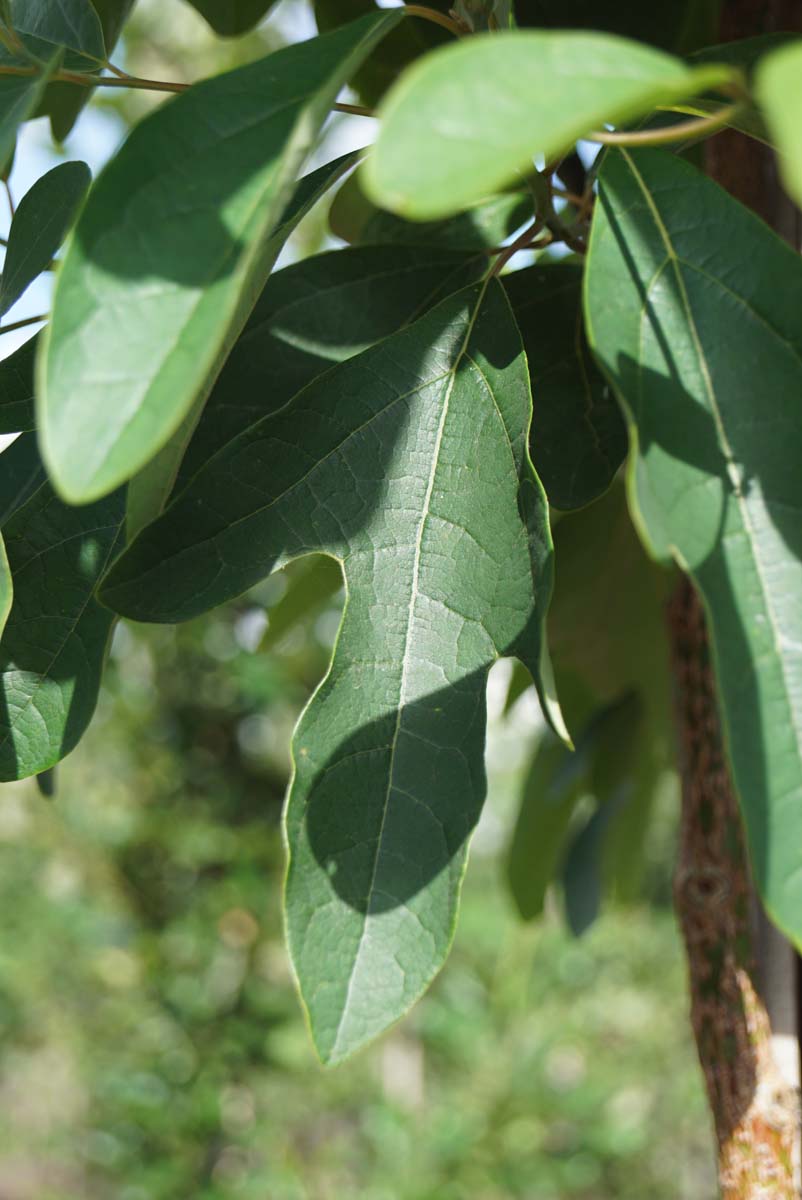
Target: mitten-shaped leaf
pixel 409 464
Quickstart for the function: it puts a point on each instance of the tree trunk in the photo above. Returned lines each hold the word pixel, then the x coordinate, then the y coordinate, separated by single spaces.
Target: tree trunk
pixel 754 1110
pixel 743 973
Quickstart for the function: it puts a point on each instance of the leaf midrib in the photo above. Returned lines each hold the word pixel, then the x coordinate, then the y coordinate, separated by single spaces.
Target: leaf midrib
pixel 401 705
pixel 675 261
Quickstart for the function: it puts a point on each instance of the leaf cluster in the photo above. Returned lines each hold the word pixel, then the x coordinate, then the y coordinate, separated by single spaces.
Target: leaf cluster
pixel 506 325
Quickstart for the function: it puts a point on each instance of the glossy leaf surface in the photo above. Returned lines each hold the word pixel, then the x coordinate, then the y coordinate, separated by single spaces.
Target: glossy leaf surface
pixel 40 225
pixel 704 348
pixel 54 643
pixel 202 181
pixel 468 118
pixel 409 464
pixel 578 439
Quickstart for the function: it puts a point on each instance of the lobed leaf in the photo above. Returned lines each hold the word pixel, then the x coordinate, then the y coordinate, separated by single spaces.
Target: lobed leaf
pixel 467 119
pixel 408 463
pixel 175 236
pixel 690 335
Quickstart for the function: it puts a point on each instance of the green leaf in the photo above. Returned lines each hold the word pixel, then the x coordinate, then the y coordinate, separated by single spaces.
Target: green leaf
pixel 778 88
pixel 46 783
pixel 54 643
pixel 608 639
pixel 606 622
pixel 677 25
pixel 230 18
pixel 21 475
pixel 559 784
pixel 68 24
pixel 468 118
pixel 63 102
pixel 406 42
pixel 549 798
pixel 315 580
pixel 407 463
pixel 148 491
pixel 312 315
pixel 16 389
pixel 581 873
pixel 19 98
pixel 185 272
pixel 6 586
pixel 40 225
pixel 578 439
pixel 704 348
pixel 356 219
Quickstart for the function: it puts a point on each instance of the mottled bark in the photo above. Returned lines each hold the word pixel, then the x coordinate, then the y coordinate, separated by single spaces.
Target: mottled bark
pixel 754 1110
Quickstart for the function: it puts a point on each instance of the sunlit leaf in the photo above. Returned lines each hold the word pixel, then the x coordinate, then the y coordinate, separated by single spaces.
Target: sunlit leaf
pixel 778 87
pixel 175 235
pixel 466 119
pixel 704 348
pixel 149 489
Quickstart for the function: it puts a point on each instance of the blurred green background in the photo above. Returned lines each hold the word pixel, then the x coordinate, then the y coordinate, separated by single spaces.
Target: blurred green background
pixel 151 1044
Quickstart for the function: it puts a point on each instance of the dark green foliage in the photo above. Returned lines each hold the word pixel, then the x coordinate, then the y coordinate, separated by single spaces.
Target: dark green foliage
pixel 393 407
